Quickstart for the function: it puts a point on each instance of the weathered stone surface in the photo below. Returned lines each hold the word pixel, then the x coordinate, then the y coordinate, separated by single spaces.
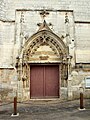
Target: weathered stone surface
pixel 81 8
pixel 82 42
pixel 20 19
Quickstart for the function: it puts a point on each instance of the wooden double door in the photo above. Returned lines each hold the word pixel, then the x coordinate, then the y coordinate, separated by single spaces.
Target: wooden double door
pixel 44 81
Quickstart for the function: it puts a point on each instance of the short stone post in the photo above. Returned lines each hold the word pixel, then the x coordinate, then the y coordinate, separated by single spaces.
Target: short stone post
pixel 0 106
pixel 81 101
pixel 15 107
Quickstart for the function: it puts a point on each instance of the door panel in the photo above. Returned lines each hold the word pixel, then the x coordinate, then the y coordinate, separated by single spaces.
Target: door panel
pixel 52 81
pixel 36 81
pixel 44 81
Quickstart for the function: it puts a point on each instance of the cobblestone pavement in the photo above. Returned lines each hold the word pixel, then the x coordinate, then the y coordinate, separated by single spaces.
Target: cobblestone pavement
pixel 47 110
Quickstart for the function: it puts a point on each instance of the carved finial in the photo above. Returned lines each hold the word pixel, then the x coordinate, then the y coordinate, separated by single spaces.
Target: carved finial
pixel 43 26
pixel 44 13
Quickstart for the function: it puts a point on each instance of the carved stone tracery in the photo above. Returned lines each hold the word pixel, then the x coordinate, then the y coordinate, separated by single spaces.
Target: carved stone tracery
pixel 42 40
pixel 44 37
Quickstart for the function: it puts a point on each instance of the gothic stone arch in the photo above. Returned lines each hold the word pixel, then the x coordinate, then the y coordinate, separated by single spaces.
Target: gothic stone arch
pixel 44 47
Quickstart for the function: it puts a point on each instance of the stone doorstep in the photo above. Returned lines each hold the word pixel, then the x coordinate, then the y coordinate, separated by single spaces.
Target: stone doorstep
pixel 44 101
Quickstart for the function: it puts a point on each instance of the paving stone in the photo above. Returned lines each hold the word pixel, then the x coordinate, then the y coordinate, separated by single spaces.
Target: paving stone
pixel 51 111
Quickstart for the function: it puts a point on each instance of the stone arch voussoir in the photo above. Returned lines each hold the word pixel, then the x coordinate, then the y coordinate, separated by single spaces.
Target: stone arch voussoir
pixel 45 37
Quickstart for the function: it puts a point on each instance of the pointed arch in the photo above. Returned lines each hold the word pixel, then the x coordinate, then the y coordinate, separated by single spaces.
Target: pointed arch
pixel 45 37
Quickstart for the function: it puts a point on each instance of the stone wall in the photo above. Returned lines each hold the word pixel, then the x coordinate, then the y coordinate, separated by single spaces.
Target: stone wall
pixel 79 12
pixel 82 42
pixel 81 8
pixel 8 84
pixel 19 20
pixel 2 9
pixel 6 44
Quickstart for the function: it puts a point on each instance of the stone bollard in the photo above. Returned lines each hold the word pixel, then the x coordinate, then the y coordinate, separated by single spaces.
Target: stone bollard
pixel 15 107
pixel 0 105
pixel 81 101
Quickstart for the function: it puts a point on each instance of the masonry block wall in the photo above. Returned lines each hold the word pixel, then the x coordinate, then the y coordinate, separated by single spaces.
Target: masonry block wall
pixel 18 22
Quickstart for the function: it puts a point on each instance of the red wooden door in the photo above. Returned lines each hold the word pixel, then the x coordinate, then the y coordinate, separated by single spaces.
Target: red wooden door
pixel 44 81
pixel 51 81
pixel 36 81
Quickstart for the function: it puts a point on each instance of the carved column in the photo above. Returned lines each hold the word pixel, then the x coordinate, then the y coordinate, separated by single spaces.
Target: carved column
pixel 69 78
pixel 70 88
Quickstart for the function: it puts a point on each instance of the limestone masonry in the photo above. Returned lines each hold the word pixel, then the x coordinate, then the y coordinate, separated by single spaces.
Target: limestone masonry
pixel 35 34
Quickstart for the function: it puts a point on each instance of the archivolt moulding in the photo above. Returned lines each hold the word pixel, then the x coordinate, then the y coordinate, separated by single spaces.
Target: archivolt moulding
pixel 45 37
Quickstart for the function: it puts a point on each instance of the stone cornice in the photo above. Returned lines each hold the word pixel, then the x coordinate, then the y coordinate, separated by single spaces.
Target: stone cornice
pixel 82 22
pixel 7 21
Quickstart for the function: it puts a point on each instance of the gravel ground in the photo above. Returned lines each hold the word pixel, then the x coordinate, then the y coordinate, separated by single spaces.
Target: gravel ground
pixel 46 110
